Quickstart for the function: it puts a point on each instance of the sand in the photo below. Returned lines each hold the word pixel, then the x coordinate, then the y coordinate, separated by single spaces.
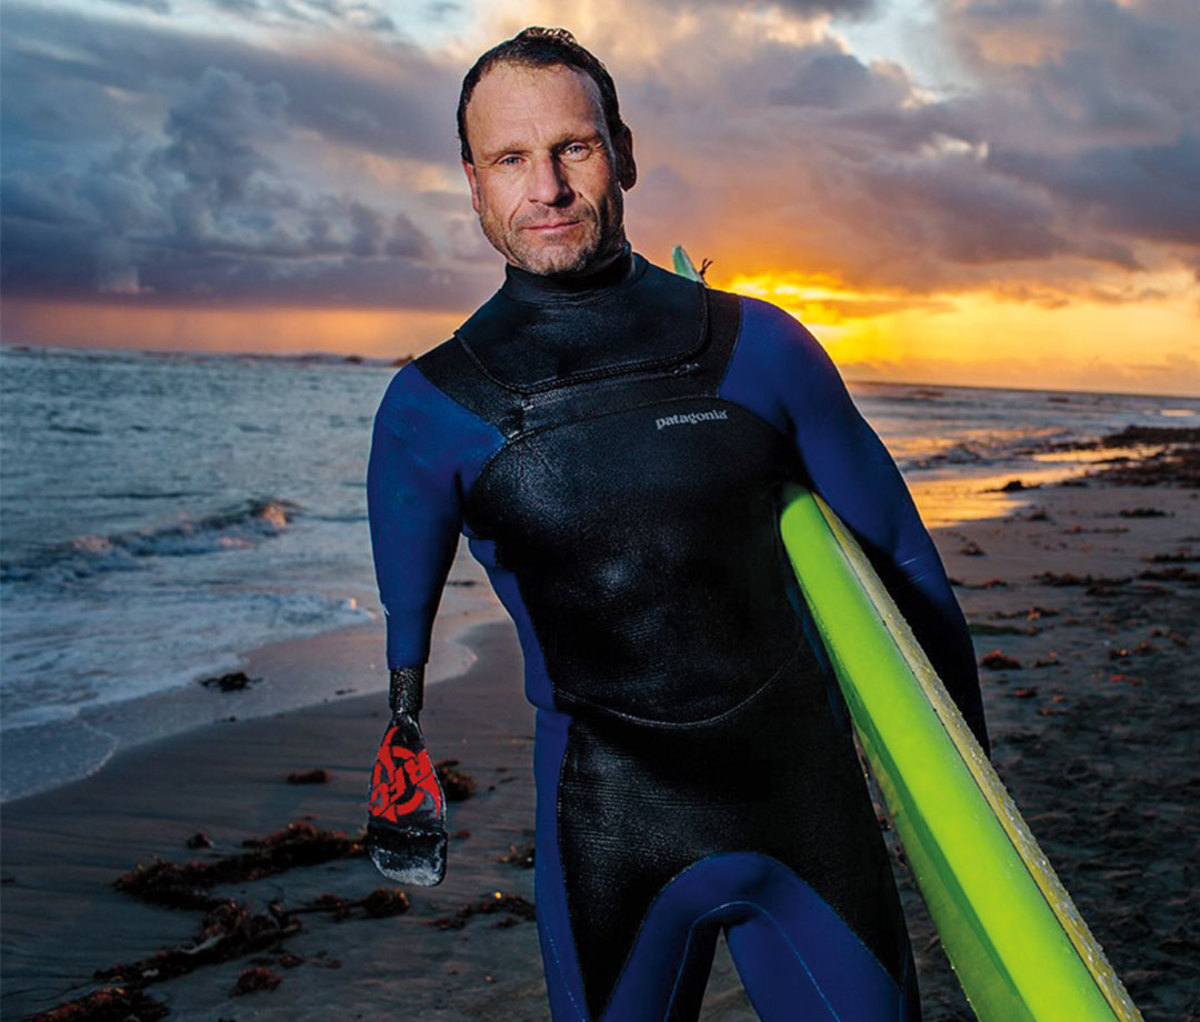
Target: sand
pixel 1093 733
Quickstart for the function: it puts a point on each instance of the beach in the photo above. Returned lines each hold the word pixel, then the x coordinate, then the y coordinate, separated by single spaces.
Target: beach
pixel 1082 601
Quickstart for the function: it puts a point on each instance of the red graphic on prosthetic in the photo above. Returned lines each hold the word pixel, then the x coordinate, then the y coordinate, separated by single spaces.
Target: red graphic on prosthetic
pixel 401 781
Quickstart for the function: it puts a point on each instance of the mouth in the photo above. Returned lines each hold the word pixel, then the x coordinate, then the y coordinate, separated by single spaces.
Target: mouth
pixel 552 228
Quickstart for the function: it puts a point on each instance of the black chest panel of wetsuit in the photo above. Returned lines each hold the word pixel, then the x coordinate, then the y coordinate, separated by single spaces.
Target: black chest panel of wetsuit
pixel 638 513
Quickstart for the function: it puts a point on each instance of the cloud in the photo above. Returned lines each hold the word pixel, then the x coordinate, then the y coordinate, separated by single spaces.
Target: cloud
pixel 384 96
pixel 1094 104
pixel 311 157
pixel 357 14
pixel 1067 153
pixel 825 77
pixel 212 178
pixel 800 8
pixel 1146 192
pixel 214 131
pixel 156 6
pixel 244 8
pixel 950 205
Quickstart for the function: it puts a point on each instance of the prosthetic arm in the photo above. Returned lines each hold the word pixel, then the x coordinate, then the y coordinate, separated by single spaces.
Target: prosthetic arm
pixel 406 829
pixel 414 525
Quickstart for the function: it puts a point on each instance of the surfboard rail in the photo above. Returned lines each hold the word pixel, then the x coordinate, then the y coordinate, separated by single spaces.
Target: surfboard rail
pixel 1018 945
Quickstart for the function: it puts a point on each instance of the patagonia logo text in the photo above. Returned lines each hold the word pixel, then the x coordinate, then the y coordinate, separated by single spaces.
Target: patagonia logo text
pixel 691 418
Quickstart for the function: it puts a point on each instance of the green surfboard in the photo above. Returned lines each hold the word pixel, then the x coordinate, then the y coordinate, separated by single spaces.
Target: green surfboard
pixel 1018 945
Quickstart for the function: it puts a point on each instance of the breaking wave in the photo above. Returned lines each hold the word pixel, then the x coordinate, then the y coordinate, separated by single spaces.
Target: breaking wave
pixel 241 527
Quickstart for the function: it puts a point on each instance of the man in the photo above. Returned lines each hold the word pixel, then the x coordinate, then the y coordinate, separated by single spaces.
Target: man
pixel 614 440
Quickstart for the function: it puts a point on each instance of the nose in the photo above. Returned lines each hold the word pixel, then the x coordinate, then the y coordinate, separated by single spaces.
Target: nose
pixel 548 182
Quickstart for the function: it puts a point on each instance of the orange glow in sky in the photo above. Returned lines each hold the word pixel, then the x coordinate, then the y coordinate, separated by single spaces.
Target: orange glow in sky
pixel 980 338
pixel 972 338
pixel 378 333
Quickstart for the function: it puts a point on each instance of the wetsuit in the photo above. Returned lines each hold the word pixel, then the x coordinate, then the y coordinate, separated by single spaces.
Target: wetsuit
pixel 615 451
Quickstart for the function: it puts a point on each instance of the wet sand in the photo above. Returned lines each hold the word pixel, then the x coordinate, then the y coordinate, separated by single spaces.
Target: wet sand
pixel 1091 589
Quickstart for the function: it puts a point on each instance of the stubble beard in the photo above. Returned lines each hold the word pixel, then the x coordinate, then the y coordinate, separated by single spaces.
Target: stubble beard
pixel 603 237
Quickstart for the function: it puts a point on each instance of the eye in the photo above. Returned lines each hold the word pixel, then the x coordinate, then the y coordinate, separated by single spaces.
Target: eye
pixel 511 160
pixel 576 151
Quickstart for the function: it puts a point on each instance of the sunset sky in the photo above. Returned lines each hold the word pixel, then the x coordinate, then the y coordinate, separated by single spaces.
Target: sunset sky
pixel 1000 192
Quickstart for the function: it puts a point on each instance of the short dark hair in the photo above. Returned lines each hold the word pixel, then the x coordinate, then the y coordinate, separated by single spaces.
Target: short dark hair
pixel 541 47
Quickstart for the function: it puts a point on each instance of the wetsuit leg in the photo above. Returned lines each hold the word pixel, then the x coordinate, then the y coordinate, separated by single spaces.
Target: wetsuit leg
pixel 796 957
pixel 798 960
pixel 631 867
pixel 564 983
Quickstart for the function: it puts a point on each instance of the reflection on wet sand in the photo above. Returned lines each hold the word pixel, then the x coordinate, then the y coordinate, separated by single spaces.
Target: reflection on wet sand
pixel 957 498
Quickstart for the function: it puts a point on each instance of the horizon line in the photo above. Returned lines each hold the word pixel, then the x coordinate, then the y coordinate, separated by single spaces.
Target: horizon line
pixel 382 362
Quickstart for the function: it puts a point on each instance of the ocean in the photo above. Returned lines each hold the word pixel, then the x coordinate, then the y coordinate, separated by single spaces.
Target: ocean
pixel 161 515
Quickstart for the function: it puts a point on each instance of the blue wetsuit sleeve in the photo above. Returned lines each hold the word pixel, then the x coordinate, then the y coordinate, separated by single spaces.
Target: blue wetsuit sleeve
pixel 414 512
pixel 799 389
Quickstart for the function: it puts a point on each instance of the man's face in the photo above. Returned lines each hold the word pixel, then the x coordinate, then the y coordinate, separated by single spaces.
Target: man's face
pixel 547 178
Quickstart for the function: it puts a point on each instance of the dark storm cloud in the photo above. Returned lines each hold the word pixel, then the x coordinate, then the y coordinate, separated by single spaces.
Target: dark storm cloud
pixel 855 174
pixel 144 160
pixel 108 190
pixel 1148 192
pixel 825 77
pixel 950 206
pixel 401 104
pixel 194 216
pixel 1097 106
pixel 1067 148
pixel 346 255
pixel 1087 65
pixel 213 134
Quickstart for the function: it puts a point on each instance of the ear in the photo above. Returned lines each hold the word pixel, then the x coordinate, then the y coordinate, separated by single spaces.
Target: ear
pixel 473 181
pixel 626 167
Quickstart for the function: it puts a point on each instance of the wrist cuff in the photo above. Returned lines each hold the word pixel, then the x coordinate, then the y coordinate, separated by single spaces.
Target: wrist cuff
pixel 406 690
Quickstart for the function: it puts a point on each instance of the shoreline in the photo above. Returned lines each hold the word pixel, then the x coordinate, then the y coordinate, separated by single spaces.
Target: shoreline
pixel 294 674
pixel 84 744
pixel 1091 589
pixel 288 675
